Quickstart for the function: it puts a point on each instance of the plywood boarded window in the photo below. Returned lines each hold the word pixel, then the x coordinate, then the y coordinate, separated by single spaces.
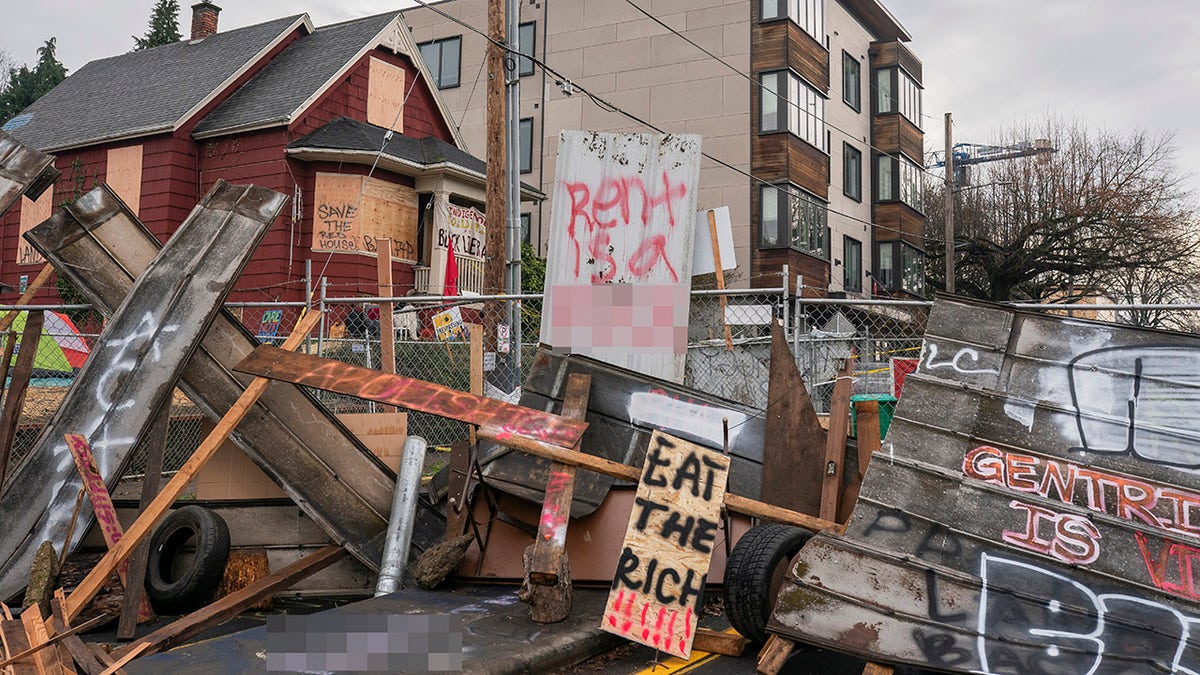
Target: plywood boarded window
pixel 125 175
pixel 345 222
pixel 33 213
pixel 385 95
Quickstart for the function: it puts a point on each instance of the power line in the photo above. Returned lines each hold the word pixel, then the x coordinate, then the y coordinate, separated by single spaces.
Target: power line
pixel 609 107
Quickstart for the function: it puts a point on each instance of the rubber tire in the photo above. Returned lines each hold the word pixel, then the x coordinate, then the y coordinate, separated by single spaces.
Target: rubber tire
pixel 753 573
pixel 195 586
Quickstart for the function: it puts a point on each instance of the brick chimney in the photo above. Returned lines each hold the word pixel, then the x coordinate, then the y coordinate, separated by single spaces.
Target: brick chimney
pixel 204 19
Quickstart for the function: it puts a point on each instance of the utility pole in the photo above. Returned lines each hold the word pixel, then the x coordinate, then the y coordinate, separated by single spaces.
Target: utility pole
pixel 949 205
pixel 495 257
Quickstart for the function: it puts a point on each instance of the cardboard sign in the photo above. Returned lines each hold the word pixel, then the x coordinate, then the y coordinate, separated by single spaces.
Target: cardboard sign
pixel 668 546
pixel 449 325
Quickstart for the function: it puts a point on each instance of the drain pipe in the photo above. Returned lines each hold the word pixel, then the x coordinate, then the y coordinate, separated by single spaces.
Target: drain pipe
pixel 400 523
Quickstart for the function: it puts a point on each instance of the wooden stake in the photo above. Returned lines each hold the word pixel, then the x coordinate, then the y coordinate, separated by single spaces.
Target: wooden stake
pixel 387 332
pixel 229 606
pixel 608 467
pixel 867 414
pixel 53 639
pixel 548 578
pixel 135 596
pixel 20 383
pixel 62 557
pixel 716 251
pixel 835 442
pixel 16 641
pixel 157 510
pixel 85 657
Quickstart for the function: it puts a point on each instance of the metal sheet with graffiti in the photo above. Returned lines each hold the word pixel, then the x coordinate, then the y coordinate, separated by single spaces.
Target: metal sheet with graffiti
pixel 1035 507
pixel 326 470
pixel 134 365
pixel 624 409
pixel 23 171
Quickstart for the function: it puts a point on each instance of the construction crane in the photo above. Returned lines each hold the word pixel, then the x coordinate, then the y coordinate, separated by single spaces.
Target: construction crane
pixel 966 154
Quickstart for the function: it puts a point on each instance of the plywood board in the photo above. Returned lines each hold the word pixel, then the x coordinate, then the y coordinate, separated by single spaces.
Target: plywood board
pixel 385 95
pixel 124 175
pixel 32 213
pixel 668 546
pixel 351 212
pixel 382 433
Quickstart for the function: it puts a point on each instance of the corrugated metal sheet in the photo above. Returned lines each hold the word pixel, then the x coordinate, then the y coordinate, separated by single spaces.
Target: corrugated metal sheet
pixel 619 263
pixel 1035 507
pixel 326 470
pixel 23 170
pixel 624 409
pixel 135 363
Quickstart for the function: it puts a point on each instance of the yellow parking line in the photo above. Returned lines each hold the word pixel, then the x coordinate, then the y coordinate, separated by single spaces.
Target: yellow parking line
pixel 677 666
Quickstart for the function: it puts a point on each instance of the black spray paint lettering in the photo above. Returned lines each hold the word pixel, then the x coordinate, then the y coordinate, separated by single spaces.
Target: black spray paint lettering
pixel 697 533
pixel 667 584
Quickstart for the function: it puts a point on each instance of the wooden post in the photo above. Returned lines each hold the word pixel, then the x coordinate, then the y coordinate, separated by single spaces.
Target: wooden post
pixel 62 557
pixel 106 515
pixel 548 576
pixel 835 442
pixel 47 660
pixel 156 445
pixel 91 584
pixel 86 658
pixel 774 654
pixel 20 383
pixel 608 467
pixel 867 414
pixel 716 251
pixel 387 332
pixel 457 512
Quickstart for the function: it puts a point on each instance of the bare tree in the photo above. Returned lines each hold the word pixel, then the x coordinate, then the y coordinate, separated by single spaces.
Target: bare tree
pixel 1091 218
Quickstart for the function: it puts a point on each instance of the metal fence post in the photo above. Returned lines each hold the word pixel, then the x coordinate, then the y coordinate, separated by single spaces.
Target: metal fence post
pixel 786 312
pixel 324 308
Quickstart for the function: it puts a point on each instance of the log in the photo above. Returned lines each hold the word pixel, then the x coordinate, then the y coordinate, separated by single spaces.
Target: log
pixel 608 467
pixel 157 510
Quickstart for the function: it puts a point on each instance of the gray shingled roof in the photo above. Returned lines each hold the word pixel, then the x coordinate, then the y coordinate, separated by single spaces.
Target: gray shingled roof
pixel 140 92
pixel 299 71
pixel 346 134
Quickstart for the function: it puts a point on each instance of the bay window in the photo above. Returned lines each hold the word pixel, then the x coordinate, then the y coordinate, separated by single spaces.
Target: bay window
pixel 897 92
pixel 790 218
pixel 901 267
pixel 899 179
pixel 808 14
pixel 790 104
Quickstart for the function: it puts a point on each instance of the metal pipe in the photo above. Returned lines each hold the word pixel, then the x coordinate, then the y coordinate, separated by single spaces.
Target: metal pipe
pixel 404 511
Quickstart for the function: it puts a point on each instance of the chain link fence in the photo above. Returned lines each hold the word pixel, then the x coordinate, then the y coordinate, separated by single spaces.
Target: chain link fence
pixel 729 345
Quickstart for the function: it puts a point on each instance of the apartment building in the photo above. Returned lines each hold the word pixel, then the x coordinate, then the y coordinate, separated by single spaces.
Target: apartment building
pixel 810 111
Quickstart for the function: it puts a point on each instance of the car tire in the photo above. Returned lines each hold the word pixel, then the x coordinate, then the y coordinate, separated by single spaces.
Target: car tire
pixel 188 554
pixel 754 573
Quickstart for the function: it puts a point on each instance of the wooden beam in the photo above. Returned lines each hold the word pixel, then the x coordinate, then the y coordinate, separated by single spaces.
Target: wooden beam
pixel 131 655
pixel 84 657
pixel 231 605
pixel 145 523
pixel 608 467
pixel 20 384
pixel 835 442
pixel 548 576
pixel 774 654
pixel 406 392
pixel 135 592
pixel 726 643
pixel 873 668
pixel 39 639
pixel 867 414
pixel 53 639
pixel 387 332
pixel 16 641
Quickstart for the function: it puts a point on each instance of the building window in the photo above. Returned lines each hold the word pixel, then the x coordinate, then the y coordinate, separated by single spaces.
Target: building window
pixel 808 14
pixel 526 39
pixel 901 267
pixel 527 145
pixel 525 218
pixel 788 103
pixel 851 82
pixel 851 264
pixel 442 58
pixel 896 92
pixel 852 172
pixel 899 179
pixel 792 219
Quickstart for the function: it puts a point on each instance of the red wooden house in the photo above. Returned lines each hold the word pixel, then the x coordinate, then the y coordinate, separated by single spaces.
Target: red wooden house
pixel 307 111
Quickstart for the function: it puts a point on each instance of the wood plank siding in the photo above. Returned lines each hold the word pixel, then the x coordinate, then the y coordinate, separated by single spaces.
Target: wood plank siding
pixel 808 57
pixel 893 133
pixel 897 220
pixel 887 54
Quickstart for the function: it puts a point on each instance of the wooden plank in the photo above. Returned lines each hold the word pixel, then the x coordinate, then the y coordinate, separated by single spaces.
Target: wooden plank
pixel 873 668
pixel 62 556
pixel 158 508
pixel 231 605
pixel 671 531
pixel 49 640
pixel 867 414
pixel 16 642
pixel 793 455
pixel 608 467
pixel 135 595
pixel 102 505
pixel 725 643
pixel 84 657
pixel 39 640
pixel 387 333
pixel 774 654
pixel 20 383
pixel 548 577
pixel 129 656
pixel 835 442
pixel 343 378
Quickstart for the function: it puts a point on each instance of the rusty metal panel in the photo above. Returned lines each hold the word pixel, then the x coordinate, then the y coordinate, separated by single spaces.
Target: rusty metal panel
pixel 624 409
pixel 1035 507
pixel 322 466
pixel 135 363
pixel 23 171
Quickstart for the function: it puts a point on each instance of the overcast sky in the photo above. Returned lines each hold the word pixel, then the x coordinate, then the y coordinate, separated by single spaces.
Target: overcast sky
pixel 1112 63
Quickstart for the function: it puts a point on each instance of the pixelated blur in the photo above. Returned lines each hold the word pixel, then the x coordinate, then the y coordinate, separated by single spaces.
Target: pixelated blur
pixel 364 643
pixel 611 319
